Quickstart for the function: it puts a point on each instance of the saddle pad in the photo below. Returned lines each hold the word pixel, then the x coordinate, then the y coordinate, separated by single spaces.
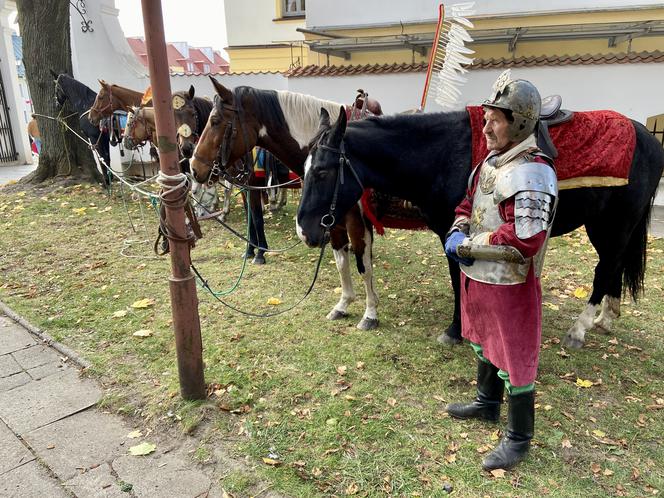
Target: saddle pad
pixel 595 148
pixel 386 211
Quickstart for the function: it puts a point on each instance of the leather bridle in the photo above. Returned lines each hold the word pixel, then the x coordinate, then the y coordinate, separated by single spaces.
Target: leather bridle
pixel 218 167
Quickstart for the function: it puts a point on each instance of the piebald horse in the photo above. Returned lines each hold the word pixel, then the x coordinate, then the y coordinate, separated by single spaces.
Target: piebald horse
pixel 284 123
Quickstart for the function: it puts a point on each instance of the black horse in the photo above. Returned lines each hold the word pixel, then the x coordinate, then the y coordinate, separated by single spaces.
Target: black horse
pixel 80 98
pixel 426 159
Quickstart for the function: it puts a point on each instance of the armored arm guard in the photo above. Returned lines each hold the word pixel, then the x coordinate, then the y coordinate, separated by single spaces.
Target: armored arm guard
pixel 535 190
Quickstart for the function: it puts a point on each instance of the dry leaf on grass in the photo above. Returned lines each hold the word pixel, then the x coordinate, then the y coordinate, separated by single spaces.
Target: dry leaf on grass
pixel 134 434
pixel 142 333
pixel 274 301
pixel 271 461
pixel 120 314
pixel 498 473
pixel 143 303
pixel 584 383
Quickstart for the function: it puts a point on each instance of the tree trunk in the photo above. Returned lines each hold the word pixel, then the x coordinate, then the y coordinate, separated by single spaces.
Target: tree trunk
pixel 46 45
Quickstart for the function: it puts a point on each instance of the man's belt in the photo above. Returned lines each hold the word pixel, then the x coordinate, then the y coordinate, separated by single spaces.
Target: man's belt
pixel 491 253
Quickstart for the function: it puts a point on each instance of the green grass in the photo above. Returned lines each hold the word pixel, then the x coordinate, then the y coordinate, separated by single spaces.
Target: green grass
pixel 278 389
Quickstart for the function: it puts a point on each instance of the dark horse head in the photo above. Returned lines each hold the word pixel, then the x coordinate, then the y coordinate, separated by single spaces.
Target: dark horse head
pixel 191 115
pixel 330 187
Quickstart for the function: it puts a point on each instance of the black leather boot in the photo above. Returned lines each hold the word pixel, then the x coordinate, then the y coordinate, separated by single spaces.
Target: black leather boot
pixel 520 426
pixel 489 396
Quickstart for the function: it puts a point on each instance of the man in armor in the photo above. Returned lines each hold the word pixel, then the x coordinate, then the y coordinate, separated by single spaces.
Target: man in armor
pixel 499 238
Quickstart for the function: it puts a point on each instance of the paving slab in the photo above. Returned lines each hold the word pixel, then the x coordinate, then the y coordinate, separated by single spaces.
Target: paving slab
pixel 13 337
pixel 38 403
pixel 8 366
pixel 30 481
pixel 13 453
pixel 13 381
pixel 40 372
pixel 96 483
pixel 36 356
pixel 164 475
pixel 80 442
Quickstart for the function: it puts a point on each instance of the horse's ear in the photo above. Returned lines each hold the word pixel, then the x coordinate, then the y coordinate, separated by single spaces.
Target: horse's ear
pixel 192 92
pixel 103 83
pixel 225 94
pixel 324 118
pixel 54 74
pixel 340 126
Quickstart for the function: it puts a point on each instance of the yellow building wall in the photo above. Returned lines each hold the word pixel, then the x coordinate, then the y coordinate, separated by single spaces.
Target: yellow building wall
pixel 280 59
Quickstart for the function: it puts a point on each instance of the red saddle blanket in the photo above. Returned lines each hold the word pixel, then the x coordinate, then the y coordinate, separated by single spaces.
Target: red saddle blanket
pixel 595 148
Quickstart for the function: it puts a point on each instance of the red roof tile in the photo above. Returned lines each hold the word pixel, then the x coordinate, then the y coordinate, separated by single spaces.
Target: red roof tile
pixel 532 61
pixel 197 58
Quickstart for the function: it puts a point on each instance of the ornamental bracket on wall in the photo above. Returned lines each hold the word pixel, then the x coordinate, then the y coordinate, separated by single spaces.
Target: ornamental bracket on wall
pixel 80 7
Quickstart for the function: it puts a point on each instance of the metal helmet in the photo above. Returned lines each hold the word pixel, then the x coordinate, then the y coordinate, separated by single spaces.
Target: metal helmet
pixel 522 98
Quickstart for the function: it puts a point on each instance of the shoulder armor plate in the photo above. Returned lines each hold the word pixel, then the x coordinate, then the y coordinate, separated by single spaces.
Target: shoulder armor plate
pixel 531 177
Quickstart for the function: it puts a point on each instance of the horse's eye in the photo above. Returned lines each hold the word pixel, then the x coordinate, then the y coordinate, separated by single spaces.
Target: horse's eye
pixel 215 121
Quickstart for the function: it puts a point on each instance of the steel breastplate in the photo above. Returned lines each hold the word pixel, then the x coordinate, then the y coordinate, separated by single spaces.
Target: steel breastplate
pixel 485 217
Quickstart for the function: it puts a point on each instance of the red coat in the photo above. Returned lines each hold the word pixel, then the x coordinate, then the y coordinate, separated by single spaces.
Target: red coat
pixel 506 320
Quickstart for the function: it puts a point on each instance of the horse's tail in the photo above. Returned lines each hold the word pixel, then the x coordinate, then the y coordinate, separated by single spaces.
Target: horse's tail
pixel 635 253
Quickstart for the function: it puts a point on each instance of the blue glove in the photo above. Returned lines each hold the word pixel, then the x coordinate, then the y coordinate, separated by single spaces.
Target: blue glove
pixel 451 243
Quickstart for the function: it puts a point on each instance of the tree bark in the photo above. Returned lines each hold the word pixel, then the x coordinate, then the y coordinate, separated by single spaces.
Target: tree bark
pixel 46 45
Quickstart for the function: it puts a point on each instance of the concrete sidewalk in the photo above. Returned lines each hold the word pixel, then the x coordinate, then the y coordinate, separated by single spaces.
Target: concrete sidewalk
pixel 54 442
pixel 12 173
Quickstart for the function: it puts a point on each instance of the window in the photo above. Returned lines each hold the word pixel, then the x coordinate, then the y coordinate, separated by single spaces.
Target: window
pixel 293 8
pixel 190 67
pixel 206 68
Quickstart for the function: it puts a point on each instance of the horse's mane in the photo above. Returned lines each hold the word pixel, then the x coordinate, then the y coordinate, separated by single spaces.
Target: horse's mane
pixel 304 113
pixel 298 113
pixel 80 95
pixel 203 108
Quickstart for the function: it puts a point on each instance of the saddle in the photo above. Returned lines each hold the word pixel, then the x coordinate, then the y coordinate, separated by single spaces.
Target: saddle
pixel 364 106
pixel 551 115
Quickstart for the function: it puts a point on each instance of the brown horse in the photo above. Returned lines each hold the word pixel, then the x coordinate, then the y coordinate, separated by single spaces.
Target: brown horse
pixel 112 98
pixel 284 123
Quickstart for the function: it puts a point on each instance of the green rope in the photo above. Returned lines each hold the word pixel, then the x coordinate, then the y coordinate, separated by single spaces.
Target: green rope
pixel 244 264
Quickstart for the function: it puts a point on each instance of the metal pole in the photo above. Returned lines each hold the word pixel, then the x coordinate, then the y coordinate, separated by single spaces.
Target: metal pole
pixel 184 302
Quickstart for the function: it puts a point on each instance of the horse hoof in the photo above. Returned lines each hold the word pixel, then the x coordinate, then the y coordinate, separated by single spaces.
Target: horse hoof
pixel 572 342
pixel 259 259
pixel 368 324
pixel 336 315
pixel 447 340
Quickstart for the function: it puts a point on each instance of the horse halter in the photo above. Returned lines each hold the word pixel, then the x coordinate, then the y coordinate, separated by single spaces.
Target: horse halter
pixel 226 146
pixel 131 125
pixel 328 220
pixel 107 106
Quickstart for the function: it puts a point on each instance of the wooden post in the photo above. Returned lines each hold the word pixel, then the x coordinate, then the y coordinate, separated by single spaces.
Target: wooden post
pixel 184 302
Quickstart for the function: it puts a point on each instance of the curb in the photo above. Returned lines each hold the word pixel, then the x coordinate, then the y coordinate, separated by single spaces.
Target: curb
pixel 45 338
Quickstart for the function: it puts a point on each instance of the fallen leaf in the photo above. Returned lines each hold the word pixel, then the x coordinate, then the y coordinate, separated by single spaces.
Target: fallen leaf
pixel 142 333
pixel 359 365
pixel 552 306
pixel 272 461
pixel 50 447
pixel 352 489
pixel 583 383
pixel 580 293
pixel 608 472
pixel 566 443
pixel 391 401
pixel 143 303
pixel 274 301
pixel 134 434
pixel 341 369
pixel 495 435
pixel 599 433
pixel 226 494
pixel 120 314
pixel 498 473
pixel 316 472
pixel 142 449
pixel 595 467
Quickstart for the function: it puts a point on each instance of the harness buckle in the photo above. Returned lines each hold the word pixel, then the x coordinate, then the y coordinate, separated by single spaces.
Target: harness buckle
pixel 327 224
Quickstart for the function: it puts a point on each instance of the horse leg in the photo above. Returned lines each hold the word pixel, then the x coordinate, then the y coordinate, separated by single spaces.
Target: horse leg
pixel 607 272
pixel 452 334
pixel 609 312
pixel 339 242
pixel 226 200
pixel 257 227
pixel 370 319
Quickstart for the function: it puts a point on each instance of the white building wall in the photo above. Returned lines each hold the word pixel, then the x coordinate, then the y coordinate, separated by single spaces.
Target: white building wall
pixel 326 14
pixel 250 23
pixel 104 53
pixel 631 89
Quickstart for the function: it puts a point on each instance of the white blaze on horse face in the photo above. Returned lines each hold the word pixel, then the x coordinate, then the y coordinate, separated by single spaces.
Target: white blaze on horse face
pixel 262 132
pixel 307 164
pixel 300 232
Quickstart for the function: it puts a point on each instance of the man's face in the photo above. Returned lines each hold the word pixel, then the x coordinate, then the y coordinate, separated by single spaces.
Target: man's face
pixel 495 130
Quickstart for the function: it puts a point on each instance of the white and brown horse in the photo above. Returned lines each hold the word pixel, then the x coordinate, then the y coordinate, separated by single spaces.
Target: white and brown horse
pixel 284 123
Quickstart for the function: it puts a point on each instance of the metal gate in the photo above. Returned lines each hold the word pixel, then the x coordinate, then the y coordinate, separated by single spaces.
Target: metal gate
pixel 8 152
